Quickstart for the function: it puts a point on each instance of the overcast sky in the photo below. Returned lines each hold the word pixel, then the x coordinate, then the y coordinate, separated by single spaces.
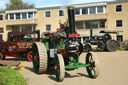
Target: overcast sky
pixel 45 3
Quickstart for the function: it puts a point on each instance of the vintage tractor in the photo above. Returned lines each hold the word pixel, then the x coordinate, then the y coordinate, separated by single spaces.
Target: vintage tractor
pixel 61 51
pixel 102 40
pixel 19 44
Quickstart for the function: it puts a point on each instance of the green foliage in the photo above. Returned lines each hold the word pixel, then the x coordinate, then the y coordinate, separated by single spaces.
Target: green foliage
pixel 18 4
pixel 10 76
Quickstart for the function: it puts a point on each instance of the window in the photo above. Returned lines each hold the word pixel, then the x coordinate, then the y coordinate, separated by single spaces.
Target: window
pixel 1 30
pixel 118 8
pixel 11 16
pixel 61 13
pixel 48 28
pixel 77 11
pixel 84 10
pixel 1 17
pixel 102 24
pixel 119 23
pixel 92 10
pixel 79 25
pixel 30 15
pixel 95 24
pixel 120 38
pixel 47 14
pixel 24 15
pixel 17 15
pixel 100 9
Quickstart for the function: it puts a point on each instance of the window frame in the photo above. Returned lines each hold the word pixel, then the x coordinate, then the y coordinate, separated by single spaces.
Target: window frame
pixel 100 12
pixel 30 15
pixel 87 10
pixel 120 40
pixel 63 13
pixel 18 16
pixel 90 10
pixel 1 17
pixel 116 8
pixel 46 27
pixel 2 30
pixel 22 15
pixel 46 14
pixel 116 24
pixel 79 12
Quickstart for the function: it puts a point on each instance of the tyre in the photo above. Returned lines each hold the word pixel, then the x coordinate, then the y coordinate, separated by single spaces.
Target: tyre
pixel 59 68
pixel 39 57
pixel 93 68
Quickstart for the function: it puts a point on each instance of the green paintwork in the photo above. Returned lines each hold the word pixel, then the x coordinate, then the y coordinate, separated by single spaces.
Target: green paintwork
pixel 76 65
pixel 57 72
pixel 35 63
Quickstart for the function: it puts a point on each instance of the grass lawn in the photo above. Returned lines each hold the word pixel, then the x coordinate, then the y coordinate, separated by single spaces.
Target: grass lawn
pixel 9 76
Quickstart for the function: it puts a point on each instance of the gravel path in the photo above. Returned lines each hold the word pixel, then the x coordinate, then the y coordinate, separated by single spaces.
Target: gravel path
pixel 113 71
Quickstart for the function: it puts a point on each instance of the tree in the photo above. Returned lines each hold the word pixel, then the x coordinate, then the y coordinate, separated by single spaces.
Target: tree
pixel 18 4
pixel 121 0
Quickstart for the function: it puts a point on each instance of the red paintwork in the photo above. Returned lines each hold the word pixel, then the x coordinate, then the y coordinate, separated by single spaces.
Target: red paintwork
pixel 55 68
pixel 29 56
pixel 35 58
pixel 17 44
pixel 11 54
pixel 89 65
pixel 74 35
pixel 63 54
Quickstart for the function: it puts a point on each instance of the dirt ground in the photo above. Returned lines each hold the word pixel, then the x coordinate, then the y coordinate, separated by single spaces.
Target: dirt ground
pixel 113 71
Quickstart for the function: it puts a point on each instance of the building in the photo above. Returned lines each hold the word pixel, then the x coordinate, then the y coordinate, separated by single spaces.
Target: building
pixel 99 16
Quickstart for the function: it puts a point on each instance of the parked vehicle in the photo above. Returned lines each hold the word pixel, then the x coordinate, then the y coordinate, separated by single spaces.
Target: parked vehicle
pixel 19 44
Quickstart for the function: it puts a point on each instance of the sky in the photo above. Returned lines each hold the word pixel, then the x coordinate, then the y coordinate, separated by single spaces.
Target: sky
pixel 47 3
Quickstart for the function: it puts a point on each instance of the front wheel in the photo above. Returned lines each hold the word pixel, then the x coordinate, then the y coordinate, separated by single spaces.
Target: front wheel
pixel 59 68
pixel 93 62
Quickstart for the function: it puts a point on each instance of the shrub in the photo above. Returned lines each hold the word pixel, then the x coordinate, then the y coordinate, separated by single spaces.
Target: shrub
pixel 125 45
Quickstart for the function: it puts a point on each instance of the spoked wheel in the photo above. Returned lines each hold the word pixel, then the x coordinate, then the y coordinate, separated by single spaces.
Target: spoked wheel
pixel 93 69
pixel 39 57
pixel 29 56
pixel 59 68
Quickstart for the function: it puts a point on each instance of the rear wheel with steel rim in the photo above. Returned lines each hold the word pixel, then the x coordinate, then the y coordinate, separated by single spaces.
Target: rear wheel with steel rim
pixel 93 68
pixel 59 68
pixel 39 57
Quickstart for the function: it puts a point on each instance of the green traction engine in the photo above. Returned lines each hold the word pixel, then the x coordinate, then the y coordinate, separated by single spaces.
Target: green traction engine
pixel 61 51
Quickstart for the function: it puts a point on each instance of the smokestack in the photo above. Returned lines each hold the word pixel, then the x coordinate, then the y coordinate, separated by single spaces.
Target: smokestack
pixel 71 18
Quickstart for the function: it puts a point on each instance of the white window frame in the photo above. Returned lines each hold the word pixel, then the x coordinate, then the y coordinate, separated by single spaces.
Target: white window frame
pixel 45 14
pixel 103 10
pixel 59 13
pixel 121 8
pixel 3 30
pixel 116 24
pixel 46 27
pixel 87 10
pixel 2 17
